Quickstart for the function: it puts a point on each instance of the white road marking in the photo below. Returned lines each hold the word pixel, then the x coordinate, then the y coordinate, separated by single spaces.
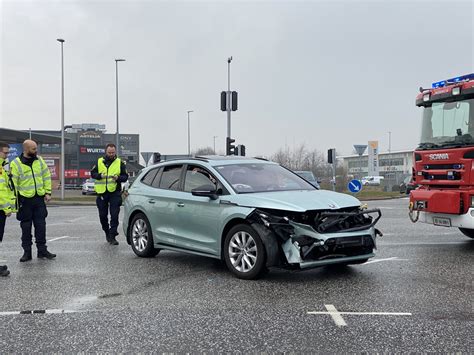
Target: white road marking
pixel 59 238
pixel 69 221
pixel 340 322
pixel 423 243
pixel 395 258
pixel 335 315
pixel 40 311
pixel 3 261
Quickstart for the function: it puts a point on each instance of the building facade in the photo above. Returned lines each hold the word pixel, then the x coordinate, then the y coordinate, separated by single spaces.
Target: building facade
pixel 85 144
pixel 393 166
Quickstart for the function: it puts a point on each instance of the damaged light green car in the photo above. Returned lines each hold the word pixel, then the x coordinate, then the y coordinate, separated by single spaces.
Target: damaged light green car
pixel 251 213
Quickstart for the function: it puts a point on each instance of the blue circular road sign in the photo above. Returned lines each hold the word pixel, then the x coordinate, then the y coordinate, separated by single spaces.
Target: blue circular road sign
pixel 354 185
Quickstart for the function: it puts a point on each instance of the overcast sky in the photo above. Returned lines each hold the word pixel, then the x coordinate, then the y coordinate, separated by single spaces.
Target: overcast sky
pixel 323 73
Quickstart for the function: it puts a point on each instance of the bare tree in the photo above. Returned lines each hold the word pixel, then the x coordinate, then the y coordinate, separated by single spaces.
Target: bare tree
pixel 204 151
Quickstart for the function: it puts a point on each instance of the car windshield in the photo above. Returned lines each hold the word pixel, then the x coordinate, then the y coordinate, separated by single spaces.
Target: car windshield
pixel 261 177
pixel 447 124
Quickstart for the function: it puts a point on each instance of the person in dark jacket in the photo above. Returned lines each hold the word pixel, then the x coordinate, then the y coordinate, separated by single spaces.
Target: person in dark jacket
pixel 109 174
pixel 32 180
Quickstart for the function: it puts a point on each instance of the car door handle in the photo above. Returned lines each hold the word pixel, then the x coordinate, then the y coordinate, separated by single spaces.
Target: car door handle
pixel 151 201
pixel 180 204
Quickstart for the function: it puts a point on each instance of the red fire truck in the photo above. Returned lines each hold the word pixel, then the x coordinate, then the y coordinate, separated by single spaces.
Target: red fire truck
pixel 444 160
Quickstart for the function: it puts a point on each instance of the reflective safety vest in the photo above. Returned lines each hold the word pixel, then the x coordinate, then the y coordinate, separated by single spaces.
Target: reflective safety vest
pixel 107 184
pixel 7 191
pixel 31 180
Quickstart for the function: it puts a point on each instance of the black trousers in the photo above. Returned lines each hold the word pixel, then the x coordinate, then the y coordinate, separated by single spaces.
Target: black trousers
pixel 109 201
pixel 32 211
pixel 3 219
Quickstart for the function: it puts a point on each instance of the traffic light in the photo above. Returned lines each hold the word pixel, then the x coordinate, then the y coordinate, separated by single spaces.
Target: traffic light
pixel 331 156
pixel 241 150
pixel 234 100
pixel 230 148
pixel 223 101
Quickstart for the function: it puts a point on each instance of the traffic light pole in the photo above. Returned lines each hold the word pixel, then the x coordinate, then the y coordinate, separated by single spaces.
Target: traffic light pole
pixel 228 103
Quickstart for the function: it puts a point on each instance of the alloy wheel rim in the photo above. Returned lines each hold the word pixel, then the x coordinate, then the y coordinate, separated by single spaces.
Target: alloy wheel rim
pixel 140 235
pixel 243 251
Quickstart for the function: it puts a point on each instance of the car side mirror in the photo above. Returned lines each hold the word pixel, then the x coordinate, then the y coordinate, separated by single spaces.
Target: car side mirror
pixel 205 191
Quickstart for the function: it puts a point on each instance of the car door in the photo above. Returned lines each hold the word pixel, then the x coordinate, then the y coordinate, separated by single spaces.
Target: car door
pixel 163 203
pixel 148 198
pixel 199 217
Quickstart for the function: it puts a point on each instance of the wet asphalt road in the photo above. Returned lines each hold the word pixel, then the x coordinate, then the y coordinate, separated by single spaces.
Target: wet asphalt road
pixel 181 303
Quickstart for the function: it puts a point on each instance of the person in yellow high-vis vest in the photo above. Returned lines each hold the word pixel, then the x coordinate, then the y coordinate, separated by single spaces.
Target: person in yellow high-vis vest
pixel 109 174
pixel 7 196
pixel 32 180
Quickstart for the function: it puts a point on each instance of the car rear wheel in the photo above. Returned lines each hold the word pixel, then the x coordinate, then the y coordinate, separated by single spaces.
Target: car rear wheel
pixel 467 232
pixel 244 252
pixel 141 237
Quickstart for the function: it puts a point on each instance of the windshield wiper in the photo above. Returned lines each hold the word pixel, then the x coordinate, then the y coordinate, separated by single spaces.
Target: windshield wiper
pixel 428 145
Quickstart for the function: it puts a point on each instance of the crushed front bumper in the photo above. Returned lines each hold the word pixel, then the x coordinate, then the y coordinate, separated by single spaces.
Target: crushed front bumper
pixel 302 246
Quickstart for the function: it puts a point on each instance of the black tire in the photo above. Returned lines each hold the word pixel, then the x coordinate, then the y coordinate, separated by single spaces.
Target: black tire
pixel 84 193
pixel 467 232
pixel 258 265
pixel 141 237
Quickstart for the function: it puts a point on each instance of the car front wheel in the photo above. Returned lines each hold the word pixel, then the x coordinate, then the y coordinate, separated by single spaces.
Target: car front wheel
pixel 141 237
pixel 244 252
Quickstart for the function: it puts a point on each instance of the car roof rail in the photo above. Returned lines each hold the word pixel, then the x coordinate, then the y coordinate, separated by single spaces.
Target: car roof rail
pixel 261 158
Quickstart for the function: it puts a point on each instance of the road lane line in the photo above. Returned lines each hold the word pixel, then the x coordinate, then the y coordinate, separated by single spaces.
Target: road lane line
pixel 340 322
pixel 335 315
pixel 422 243
pixel 52 240
pixel 37 311
pixel 365 313
pixel 394 258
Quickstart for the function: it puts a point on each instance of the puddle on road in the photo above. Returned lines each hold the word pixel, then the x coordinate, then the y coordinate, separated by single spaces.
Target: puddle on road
pixel 79 303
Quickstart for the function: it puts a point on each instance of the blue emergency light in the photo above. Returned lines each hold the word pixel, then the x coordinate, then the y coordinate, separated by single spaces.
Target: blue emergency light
pixel 458 79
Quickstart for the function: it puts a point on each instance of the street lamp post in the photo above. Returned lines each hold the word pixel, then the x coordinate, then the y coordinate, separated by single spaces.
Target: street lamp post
pixel 214 137
pixel 189 134
pixel 60 40
pixel 117 104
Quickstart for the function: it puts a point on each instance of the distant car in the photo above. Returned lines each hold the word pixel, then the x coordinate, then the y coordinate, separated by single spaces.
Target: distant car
pixel 372 180
pixel 250 213
pixel 408 185
pixel 309 177
pixel 88 187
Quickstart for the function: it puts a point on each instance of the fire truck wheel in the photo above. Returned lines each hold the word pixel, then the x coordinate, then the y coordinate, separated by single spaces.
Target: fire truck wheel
pixel 467 232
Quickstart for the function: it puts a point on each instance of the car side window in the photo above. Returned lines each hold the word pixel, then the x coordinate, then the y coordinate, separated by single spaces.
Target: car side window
pixel 149 176
pixel 196 177
pixel 157 179
pixel 171 177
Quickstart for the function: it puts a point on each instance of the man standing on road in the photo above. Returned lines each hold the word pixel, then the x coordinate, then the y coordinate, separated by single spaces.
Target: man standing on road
pixel 7 196
pixel 32 180
pixel 109 174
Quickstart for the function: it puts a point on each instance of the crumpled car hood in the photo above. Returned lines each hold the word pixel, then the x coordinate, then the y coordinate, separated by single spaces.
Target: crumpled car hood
pixel 297 201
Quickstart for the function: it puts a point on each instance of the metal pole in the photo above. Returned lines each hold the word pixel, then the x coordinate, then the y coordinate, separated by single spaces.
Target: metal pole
pixel 229 97
pixel 334 170
pixel 390 155
pixel 63 160
pixel 189 134
pixel 117 105
pixel 30 133
pixel 214 144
